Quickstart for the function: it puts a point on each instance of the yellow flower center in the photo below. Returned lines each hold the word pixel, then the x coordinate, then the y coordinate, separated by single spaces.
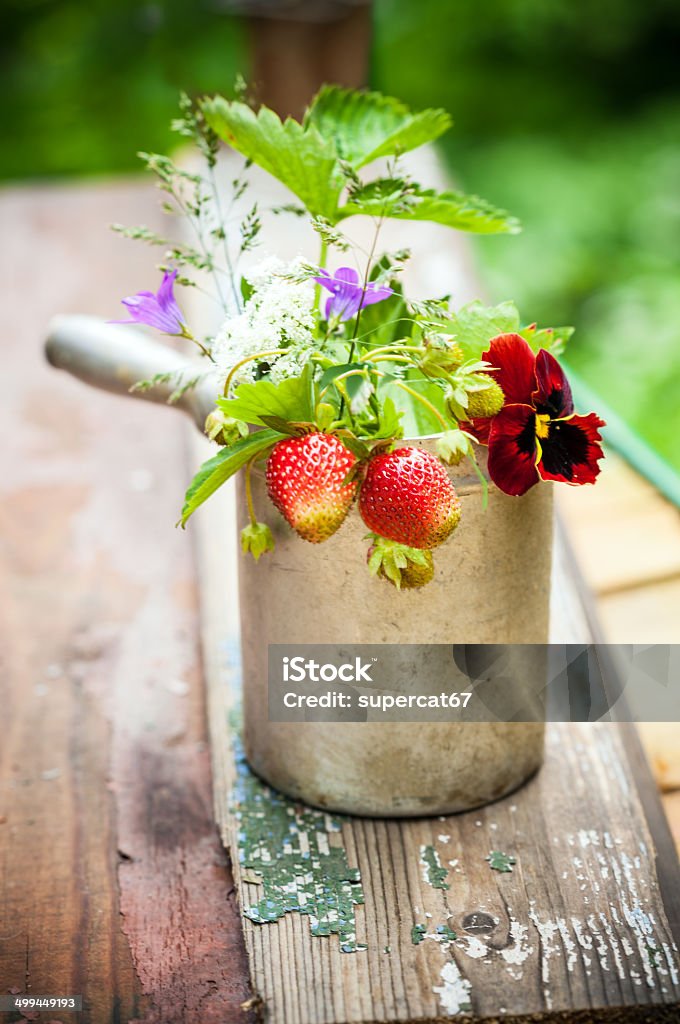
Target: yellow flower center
pixel 542 426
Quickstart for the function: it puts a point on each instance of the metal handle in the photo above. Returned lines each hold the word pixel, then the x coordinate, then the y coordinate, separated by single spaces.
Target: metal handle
pixel 114 358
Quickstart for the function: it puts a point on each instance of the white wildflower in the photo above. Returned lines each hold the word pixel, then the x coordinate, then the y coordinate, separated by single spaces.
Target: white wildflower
pixel 278 315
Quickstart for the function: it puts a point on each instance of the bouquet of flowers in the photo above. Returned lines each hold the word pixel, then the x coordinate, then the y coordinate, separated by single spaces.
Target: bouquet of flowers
pixel 321 369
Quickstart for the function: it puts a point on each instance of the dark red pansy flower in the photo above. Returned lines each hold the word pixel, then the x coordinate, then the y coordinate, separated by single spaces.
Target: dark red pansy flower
pixel 536 435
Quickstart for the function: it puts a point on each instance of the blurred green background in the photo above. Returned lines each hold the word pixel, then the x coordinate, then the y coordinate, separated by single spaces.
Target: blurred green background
pixel 566 112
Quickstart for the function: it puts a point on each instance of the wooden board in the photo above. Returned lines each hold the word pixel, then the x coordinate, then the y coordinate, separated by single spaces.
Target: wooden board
pixel 582 925
pixel 113 880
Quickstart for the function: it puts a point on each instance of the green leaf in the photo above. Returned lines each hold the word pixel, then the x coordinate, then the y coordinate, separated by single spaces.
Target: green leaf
pixel 417 420
pixel 337 371
pixel 384 322
pixel 453 209
pixel 553 339
pixel 368 125
pixel 291 400
pixel 298 156
pixel 474 325
pixel 217 470
pixel 390 421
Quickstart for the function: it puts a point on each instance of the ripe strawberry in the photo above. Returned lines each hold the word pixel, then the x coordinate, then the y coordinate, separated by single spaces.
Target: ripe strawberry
pixel 407 496
pixel 305 481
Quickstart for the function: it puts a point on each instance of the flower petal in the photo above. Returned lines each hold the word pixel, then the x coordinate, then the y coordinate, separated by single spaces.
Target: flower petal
pixel 166 300
pixel 479 428
pixel 346 301
pixel 515 367
pixel 375 294
pixel 347 274
pixel 325 280
pixel 553 395
pixel 513 450
pixel 144 309
pixel 571 450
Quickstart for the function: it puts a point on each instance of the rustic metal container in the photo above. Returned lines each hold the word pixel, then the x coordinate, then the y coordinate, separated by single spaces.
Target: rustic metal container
pixel 492 586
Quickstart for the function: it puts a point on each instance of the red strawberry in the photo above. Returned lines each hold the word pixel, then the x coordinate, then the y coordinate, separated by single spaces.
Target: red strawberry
pixel 407 496
pixel 305 481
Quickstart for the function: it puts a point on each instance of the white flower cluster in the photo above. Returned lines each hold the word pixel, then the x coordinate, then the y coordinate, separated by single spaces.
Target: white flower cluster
pixel 278 315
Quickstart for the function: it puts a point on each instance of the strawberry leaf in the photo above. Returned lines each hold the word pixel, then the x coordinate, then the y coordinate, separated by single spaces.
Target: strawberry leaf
pixel 349 369
pixel 298 156
pixel 222 466
pixel 291 400
pixel 366 125
pixel 453 209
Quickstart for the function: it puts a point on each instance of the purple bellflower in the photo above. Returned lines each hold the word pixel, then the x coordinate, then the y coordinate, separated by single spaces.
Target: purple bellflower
pixel 348 295
pixel 158 310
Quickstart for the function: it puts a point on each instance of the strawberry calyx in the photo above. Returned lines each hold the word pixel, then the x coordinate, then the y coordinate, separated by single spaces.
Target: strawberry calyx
pixel 256 539
pixel 404 567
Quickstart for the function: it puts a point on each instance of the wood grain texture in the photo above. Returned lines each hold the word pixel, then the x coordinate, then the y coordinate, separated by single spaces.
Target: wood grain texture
pixel 113 882
pixel 578 930
pixel 562 937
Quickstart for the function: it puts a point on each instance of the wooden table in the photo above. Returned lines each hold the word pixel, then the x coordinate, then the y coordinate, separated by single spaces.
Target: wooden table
pixel 113 880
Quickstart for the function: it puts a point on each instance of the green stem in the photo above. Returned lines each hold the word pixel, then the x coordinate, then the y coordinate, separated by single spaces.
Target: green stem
pixel 249 493
pixel 323 258
pixel 396 348
pixel 225 247
pixel 420 398
pixel 186 333
pixel 244 362
pixel 387 358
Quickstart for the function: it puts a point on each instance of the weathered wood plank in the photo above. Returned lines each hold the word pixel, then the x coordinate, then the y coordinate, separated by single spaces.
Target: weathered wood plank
pixel 562 936
pixel 578 927
pixel 113 882
pixel 602 519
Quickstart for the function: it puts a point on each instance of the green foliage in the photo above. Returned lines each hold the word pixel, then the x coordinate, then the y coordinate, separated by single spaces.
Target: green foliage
pixel 256 539
pixel 87 85
pixel 292 400
pixel 342 131
pixel 368 125
pixel 388 558
pixel 453 446
pixel 221 467
pixel 452 209
pixel 298 157
pixel 603 253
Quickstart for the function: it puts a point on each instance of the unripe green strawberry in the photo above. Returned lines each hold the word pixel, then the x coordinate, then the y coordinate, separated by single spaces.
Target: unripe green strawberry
pixel 487 402
pixel 416 575
pixel 405 568
pixel 305 481
pixel 440 354
pixel 407 497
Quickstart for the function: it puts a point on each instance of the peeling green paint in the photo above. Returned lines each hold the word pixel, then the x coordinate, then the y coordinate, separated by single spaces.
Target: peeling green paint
pixel 499 861
pixel 448 934
pixel 435 874
pixel 418 934
pixel 283 846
